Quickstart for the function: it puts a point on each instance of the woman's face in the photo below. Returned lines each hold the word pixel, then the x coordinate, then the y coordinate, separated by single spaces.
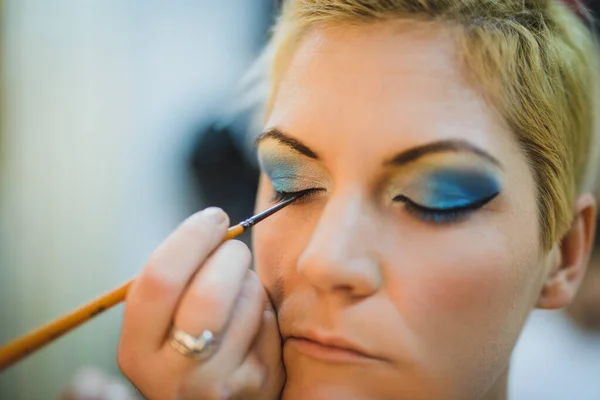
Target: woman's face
pixel 408 274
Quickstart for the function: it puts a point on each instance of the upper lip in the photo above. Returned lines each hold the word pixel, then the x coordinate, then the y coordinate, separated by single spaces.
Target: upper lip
pixel 332 340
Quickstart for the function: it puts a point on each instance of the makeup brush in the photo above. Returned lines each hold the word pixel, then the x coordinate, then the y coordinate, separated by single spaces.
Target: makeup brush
pixel 27 344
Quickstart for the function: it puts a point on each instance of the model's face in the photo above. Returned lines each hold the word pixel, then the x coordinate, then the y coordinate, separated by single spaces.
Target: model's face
pixel 420 250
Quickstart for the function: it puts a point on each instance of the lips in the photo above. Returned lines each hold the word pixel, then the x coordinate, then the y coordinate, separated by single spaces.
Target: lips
pixel 328 348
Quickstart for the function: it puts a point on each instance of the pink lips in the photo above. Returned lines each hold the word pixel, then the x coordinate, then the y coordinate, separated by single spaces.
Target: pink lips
pixel 328 349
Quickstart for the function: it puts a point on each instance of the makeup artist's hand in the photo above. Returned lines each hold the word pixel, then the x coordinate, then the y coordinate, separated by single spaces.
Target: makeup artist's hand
pixel 195 284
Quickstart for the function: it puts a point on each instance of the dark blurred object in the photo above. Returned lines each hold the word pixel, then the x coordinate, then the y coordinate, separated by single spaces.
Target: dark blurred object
pixel 594 7
pixel 221 163
pixel 224 170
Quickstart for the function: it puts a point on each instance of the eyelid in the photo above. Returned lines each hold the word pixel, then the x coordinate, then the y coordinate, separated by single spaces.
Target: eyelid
pixel 292 167
pixel 475 204
pixel 296 183
pixel 447 215
pixel 296 178
pixel 449 188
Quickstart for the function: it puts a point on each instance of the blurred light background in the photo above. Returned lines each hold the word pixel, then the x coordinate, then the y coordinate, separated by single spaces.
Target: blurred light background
pixel 111 117
pixel 103 103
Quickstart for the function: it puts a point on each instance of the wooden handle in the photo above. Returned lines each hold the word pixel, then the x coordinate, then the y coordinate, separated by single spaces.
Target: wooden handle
pixel 27 344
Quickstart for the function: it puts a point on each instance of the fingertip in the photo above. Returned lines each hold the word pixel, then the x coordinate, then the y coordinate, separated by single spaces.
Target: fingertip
pixel 240 248
pixel 212 217
pixel 215 215
pixel 253 288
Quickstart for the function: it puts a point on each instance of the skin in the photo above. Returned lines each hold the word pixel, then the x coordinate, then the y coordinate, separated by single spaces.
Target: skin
pixel 433 308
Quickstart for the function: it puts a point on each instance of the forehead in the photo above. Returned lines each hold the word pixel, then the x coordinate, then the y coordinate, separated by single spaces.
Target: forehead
pixel 397 82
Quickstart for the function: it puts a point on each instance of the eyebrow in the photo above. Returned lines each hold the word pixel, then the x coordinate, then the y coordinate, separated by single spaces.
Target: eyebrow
pixel 442 146
pixel 400 159
pixel 286 140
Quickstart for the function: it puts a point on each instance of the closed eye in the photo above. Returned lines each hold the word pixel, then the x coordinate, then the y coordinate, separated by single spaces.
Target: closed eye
pixel 443 215
pixel 302 195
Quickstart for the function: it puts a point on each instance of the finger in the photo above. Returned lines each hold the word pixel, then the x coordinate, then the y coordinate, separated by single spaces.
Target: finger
pixel 153 297
pixel 243 326
pixel 261 374
pixel 248 381
pixel 244 383
pixel 235 340
pixel 209 300
pixel 267 345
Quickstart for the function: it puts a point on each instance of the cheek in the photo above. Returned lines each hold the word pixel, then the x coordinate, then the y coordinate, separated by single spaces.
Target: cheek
pixel 275 242
pixel 264 240
pixel 453 286
pixel 464 294
pixel 468 288
pixel 450 281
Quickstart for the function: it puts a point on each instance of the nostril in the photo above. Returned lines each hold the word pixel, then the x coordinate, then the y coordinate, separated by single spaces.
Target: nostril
pixel 353 293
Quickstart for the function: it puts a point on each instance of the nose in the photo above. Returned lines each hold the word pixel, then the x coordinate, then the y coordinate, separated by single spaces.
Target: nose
pixel 341 256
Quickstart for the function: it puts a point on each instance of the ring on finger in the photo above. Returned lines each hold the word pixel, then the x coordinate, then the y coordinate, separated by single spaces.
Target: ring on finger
pixel 196 347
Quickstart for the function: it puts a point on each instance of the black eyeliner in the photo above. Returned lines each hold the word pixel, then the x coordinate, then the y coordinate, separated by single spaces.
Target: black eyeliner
pixel 467 207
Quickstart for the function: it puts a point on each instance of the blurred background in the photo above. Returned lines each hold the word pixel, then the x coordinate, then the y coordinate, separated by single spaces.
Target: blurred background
pixel 111 114
pixel 115 125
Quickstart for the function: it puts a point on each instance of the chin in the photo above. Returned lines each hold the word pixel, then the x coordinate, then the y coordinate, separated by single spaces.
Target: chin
pixel 312 379
pixel 309 379
pixel 318 380
pixel 321 392
pixel 349 390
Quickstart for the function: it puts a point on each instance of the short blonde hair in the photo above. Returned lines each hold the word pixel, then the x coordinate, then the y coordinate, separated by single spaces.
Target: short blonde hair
pixel 535 61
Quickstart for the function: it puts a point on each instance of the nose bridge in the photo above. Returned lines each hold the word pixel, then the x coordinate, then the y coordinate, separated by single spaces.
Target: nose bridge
pixel 342 253
pixel 341 225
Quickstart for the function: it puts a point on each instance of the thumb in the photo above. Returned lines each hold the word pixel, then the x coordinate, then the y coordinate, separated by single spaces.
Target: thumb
pixel 268 349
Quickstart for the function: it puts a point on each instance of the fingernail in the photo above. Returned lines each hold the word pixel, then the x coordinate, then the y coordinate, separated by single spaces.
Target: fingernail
pixel 215 215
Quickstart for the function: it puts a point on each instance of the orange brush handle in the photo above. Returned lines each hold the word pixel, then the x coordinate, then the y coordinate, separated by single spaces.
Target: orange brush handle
pixel 27 344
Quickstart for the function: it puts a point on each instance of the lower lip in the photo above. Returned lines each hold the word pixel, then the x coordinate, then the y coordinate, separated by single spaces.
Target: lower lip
pixel 329 354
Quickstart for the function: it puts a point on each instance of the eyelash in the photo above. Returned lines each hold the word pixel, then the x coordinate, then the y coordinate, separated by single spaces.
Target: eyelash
pixel 443 215
pixel 305 195
pixel 430 215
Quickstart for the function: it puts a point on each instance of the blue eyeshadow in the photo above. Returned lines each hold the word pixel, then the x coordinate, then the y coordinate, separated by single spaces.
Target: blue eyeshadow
pixel 282 174
pixel 277 169
pixel 447 189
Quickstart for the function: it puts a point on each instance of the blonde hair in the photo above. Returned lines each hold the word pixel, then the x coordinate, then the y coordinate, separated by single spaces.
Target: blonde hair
pixel 535 61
